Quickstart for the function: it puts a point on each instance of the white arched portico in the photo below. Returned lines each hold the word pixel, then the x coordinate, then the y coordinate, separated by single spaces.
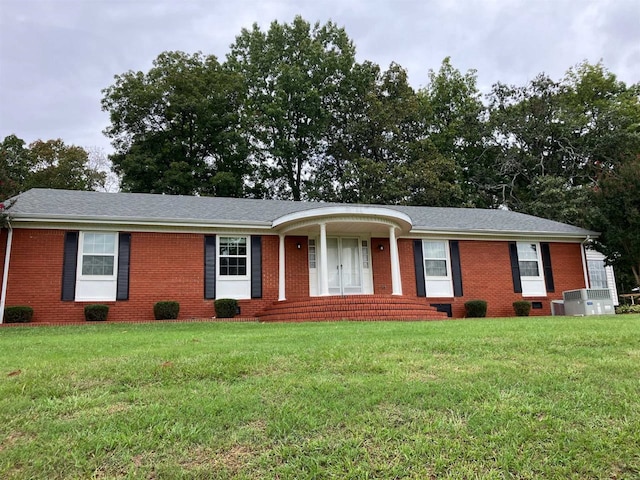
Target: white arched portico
pixel 336 229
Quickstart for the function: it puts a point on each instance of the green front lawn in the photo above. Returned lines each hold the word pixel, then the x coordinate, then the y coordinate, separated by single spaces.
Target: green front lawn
pixel 550 397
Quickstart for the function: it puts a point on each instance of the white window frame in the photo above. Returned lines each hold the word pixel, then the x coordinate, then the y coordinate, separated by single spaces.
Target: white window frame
pixel 597 272
pixel 247 256
pixel 81 255
pixel 447 259
pixel 532 286
pixel 96 288
pixel 312 253
pixel 438 286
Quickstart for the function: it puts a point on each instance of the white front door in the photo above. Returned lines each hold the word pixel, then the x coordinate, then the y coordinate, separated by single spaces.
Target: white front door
pixel 345 265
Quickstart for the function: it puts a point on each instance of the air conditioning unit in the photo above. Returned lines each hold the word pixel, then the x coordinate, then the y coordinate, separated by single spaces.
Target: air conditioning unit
pixel 588 301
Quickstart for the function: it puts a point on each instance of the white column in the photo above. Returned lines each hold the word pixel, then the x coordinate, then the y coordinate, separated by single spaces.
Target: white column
pixel 281 270
pixel 396 282
pixel 324 261
pixel 5 273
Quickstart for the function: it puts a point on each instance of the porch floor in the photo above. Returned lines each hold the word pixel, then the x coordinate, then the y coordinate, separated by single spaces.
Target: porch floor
pixel 350 307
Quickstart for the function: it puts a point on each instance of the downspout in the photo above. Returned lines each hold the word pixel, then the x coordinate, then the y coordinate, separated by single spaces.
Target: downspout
pixel 584 262
pixel 5 272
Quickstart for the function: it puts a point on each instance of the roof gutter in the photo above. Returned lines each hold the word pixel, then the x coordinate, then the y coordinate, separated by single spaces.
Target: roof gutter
pixel 5 272
pixel 482 234
pixel 130 221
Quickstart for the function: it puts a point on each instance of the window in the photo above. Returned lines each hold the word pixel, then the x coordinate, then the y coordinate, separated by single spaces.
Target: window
pixel 437 268
pixel 597 274
pixel 97 266
pixel 233 256
pixel 365 254
pixel 528 260
pixel 531 279
pixel 435 258
pixel 98 254
pixel 312 253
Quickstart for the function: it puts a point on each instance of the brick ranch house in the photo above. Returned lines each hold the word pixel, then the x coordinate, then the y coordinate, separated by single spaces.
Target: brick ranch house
pixel 282 260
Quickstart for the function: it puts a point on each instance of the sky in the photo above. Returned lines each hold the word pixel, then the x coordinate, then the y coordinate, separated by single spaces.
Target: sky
pixel 56 56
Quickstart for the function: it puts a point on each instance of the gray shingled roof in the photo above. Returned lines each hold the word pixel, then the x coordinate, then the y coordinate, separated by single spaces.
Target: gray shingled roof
pixel 131 207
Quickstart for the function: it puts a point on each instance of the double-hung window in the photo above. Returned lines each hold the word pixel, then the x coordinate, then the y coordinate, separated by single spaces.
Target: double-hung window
pixel 528 259
pixel 98 255
pixel 437 268
pixel 531 272
pixel 435 258
pixel 97 269
pixel 233 256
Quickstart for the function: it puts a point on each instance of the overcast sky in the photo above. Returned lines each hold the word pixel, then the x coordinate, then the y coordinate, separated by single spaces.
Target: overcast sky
pixel 57 55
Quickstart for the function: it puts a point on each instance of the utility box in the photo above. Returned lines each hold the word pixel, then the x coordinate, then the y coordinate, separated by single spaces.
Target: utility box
pixel 588 301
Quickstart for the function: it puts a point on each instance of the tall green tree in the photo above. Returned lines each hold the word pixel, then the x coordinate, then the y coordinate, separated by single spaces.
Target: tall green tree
pixel 15 166
pixel 294 75
pixel 618 201
pixel 175 129
pixel 376 152
pixel 552 140
pixel 452 117
pixel 50 164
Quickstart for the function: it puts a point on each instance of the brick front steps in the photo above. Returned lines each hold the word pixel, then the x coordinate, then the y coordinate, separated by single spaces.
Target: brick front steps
pixel 350 307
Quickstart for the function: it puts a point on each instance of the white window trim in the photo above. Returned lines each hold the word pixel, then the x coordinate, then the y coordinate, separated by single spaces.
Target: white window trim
pixel 312 251
pixel 80 275
pixel 449 276
pixel 435 280
pixel 231 278
pixel 530 279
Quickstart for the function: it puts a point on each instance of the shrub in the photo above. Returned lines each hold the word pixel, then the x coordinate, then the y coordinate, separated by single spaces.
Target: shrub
pixel 167 310
pixel 96 312
pixel 628 309
pixel 18 314
pixel 522 308
pixel 226 307
pixel 476 308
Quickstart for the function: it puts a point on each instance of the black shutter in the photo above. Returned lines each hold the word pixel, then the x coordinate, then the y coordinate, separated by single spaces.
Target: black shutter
pixel 546 265
pixel 515 267
pixel 69 266
pixel 418 261
pixel 256 266
pixel 456 270
pixel 210 266
pixel 124 248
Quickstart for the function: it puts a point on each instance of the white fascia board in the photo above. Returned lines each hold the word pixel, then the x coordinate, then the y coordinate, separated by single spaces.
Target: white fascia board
pixel 501 235
pixel 53 219
pixel 139 226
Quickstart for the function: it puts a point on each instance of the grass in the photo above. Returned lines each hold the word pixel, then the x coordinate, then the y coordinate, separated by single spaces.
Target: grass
pixel 549 397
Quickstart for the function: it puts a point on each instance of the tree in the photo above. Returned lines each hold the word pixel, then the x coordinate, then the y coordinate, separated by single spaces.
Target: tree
pixel 553 139
pixel 618 200
pixel 175 129
pixel 294 75
pixel 15 166
pixel 50 164
pixel 376 153
pixel 452 117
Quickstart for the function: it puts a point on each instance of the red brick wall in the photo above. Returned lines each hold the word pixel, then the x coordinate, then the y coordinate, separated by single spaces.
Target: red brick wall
pixel 35 275
pixel 296 267
pixel 381 265
pixel 486 275
pixel 407 267
pixel 170 266
pixel 163 266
